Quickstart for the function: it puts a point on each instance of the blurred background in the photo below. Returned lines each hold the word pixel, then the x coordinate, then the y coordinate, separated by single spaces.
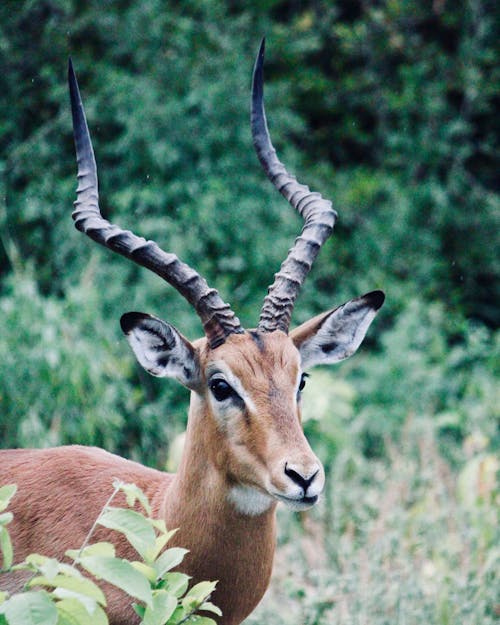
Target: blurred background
pixel 389 108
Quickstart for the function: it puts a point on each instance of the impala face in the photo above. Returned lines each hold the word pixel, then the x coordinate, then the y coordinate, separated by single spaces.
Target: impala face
pixel 253 386
pixel 246 397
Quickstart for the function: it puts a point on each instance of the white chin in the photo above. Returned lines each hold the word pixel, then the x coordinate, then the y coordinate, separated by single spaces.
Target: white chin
pixel 249 501
pixel 298 505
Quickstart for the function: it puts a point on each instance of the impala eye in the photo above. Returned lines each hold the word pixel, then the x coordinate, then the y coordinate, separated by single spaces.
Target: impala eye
pixel 220 389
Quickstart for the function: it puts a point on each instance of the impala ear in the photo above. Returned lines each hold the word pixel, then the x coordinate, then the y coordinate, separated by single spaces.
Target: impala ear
pixel 161 349
pixel 336 334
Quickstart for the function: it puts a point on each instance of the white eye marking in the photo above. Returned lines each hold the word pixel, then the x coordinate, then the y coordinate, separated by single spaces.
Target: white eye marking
pixel 233 381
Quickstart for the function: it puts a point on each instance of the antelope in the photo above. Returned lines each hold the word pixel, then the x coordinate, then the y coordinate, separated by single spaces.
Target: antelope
pixel 245 449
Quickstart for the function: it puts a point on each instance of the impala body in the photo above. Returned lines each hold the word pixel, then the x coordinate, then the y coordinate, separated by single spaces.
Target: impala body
pixel 245 449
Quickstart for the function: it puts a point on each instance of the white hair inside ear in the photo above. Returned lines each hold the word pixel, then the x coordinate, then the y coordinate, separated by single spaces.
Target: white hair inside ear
pixel 337 334
pixel 161 349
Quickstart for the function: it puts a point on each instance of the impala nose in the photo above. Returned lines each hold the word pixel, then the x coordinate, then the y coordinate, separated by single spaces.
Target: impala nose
pixel 301 478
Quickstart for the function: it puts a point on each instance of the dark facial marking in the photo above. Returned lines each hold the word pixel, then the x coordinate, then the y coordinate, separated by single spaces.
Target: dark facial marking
pixel 329 347
pixel 257 338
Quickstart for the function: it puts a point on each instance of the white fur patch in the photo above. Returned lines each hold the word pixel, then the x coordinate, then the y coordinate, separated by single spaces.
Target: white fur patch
pixel 249 501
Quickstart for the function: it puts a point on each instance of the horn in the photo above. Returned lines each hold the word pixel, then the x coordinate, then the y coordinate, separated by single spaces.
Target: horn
pixel 318 214
pixel 217 318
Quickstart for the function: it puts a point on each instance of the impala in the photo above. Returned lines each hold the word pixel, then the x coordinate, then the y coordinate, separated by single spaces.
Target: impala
pixel 245 449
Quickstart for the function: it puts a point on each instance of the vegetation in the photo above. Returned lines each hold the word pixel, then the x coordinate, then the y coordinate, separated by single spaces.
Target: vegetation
pixel 56 593
pixel 388 108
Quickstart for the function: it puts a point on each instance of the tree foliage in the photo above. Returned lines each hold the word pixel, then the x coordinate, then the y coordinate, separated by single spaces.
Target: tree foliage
pixel 389 108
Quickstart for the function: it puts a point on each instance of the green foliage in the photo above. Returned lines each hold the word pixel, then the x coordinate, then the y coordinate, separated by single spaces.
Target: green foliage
pixel 57 593
pixel 388 108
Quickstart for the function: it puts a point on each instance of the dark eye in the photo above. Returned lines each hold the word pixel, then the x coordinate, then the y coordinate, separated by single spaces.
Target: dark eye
pixel 302 382
pixel 220 389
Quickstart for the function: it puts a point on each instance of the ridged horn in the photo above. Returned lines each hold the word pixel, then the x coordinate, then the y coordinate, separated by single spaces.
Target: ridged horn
pixel 217 318
pixel 318 214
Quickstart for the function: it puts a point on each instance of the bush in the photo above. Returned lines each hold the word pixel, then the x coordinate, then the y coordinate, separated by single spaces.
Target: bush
pixel 57 592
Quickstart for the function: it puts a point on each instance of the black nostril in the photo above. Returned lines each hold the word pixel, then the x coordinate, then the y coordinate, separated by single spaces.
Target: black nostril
pixel 299 479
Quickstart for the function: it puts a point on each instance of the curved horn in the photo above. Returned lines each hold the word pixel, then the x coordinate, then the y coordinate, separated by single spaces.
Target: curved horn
pixel 317 212
pixel 218 319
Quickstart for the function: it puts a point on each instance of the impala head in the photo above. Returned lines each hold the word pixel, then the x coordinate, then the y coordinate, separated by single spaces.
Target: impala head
pixel 246 385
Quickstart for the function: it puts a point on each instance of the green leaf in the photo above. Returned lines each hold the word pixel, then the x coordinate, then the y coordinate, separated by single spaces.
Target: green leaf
pixel 168 560
pixel 146 570
pixel 6 518
pixel 163 538
pixel 104 549
pixel 6 549
pixel 202 620
pixel 6 494
pixel 198 594
pixel 89 604
pixel 72 612
pixel 210 607
pixel 120 573
pixel 3 596
pixel 163 607
pixel 133 493
pixel 178 616
pixel 82 585
pixel 176 583
pixel 136 528
pixel 49 567
pixel 30 608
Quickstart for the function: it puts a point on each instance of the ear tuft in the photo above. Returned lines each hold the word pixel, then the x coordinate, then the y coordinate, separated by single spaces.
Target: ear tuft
pixel 130 320
pixel 375 299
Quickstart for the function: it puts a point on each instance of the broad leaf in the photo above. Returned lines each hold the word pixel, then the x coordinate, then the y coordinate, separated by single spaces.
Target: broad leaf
pixel 146 570
pixel 6 549
pixel 169 559
pixel 198 594
pixel 104 549
pixel 136 528
pixel 210 607
pixel 6 494
pixel 163 538
pixel 120 573
pixel 133 493
pixel 163 607
pixel 80 585
pixel 72 612
pixel 30 608
pixel 176 583
pixel 89 604
pixel 6 518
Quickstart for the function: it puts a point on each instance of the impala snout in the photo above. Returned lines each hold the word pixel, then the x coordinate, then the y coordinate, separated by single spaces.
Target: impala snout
pixel 301 485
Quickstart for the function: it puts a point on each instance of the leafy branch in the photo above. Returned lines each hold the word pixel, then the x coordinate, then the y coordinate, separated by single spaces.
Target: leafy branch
pixel 60 594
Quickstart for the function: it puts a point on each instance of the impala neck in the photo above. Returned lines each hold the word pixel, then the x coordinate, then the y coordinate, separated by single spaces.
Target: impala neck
pixel 224 544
